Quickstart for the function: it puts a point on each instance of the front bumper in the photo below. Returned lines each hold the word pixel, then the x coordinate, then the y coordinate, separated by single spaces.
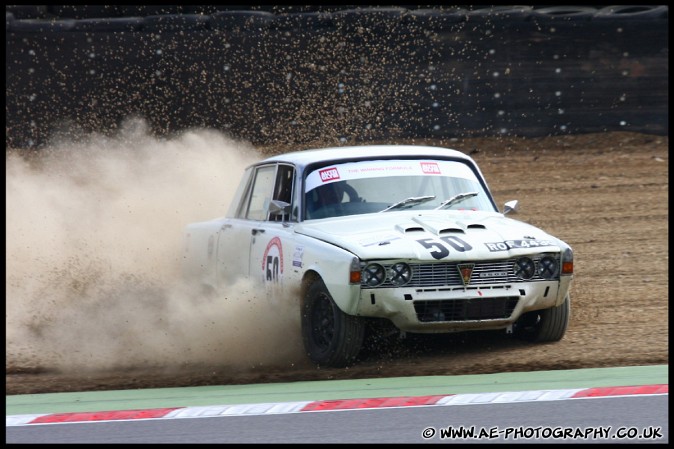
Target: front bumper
pixel 456 309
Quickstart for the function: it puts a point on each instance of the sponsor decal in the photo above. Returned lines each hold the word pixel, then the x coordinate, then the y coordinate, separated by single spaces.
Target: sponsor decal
pixel 329 174
pixel 510 244
pixel 430 168
pixel 466 271
pixel 272 262
pixel 297 256
pixel 385 168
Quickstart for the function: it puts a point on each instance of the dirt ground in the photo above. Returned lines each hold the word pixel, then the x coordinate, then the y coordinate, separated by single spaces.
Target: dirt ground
pixel 604 194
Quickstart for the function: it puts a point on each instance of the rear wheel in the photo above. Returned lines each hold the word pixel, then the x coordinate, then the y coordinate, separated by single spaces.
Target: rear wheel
pixel 546 325
pixel 331 337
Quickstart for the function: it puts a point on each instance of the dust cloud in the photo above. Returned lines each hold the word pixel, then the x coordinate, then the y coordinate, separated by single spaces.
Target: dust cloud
pixel 94 240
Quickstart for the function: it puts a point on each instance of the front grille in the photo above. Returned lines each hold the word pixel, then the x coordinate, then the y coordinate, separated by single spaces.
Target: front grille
pixel 441 274
pixel 465 309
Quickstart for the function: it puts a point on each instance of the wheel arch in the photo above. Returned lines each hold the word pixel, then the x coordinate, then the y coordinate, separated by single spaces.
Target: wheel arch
pixel 331 337
pixel 333 271
pixel 310 276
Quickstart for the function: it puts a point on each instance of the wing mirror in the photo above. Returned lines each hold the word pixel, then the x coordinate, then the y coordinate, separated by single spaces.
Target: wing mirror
pixel 511 206
pixel 278 207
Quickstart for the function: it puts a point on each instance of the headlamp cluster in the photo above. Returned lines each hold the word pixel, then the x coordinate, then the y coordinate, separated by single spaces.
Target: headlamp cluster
pixel 398 274
pixel 525 267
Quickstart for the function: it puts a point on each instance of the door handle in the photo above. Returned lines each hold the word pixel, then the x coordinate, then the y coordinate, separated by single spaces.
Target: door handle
pixel 257 231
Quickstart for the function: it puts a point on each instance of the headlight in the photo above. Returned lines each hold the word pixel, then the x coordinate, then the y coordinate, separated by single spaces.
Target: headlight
pixel 524 268
pixel 374 275
pixel 547 267
pixel 399 274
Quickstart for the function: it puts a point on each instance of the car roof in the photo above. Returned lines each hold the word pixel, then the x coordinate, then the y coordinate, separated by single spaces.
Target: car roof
pixel 307 157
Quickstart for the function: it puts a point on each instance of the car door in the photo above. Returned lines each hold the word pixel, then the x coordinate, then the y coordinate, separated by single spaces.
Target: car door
pixel 234 236
pixel 251 243
pixel 272 239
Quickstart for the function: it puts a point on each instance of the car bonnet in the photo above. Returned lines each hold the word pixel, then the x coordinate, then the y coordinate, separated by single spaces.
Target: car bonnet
pixel 467 235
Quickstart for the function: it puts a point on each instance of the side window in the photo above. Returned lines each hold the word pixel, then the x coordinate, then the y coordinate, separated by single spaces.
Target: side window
pixel 283 191
pixel 263 183
pixel 238 205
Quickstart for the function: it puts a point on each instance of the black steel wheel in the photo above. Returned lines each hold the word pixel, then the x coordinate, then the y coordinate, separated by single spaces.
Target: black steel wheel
pixel 546 325
pixel 331 337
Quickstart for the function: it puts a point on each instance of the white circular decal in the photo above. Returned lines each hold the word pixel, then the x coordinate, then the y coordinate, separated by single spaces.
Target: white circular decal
pixel 272 261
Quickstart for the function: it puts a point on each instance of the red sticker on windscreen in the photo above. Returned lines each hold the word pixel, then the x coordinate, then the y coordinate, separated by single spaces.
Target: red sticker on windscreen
pixel 430 168
pixel 329 174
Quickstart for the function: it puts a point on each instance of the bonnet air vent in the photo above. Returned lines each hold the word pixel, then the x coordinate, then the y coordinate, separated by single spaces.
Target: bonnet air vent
pixel 452 231
pixel 405 229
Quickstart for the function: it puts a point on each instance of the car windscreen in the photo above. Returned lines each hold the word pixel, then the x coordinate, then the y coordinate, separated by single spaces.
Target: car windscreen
pixel 373 186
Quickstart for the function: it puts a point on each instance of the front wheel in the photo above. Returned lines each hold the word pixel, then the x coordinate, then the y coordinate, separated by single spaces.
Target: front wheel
pixel 331 337
pixel 546 325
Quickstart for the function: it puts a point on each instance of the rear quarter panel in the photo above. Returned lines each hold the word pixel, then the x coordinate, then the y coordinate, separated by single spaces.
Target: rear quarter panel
pixel 198 264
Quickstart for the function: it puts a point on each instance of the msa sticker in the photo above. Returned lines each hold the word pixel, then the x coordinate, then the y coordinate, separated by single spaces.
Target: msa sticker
pixel 510 244
pixel 297 256
pixel 329 174
pixel 272 261
pixel 430 168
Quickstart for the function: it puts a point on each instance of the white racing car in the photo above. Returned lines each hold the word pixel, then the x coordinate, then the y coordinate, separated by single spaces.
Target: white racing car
pixel 408 234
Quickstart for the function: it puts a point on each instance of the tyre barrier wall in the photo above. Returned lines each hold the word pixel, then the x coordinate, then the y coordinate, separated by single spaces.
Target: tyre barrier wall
pixel 349 74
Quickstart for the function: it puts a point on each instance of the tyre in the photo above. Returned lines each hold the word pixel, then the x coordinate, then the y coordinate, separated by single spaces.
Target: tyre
pixel 111 24
pixel 28 11
pixel 516 12
pixel 546 325
pixel 82 11
pixel 42 26
pixel 241 20
pixel 301 21
pixel 331 337
pixel 435 17
pixel 632 12
pixel 564 13
pixel 176 23
pixel 375 18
